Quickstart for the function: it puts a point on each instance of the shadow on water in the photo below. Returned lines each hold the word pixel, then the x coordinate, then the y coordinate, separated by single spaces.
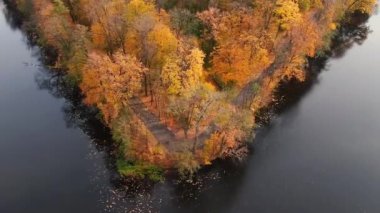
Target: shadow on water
pixel 214 187
pixel 12 17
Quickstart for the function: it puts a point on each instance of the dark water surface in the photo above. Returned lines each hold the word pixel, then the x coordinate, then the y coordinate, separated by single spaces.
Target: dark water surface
pixel 321 155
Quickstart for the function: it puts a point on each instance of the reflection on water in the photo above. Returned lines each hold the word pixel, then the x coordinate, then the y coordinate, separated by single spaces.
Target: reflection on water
pixel 257 184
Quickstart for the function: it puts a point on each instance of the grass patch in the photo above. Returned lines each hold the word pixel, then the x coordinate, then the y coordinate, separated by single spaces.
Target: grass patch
pixel 140 170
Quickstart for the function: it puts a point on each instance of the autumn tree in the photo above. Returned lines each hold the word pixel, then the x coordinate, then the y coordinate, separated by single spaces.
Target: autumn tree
pixel 162 42
pixel 108 24
pixel 108 84
pixel 304 42
pixel 171 76
pixel 141 17
pixel 194 71
pixel 185 22
pixel 265 10
pixel 77 57
pixel 55 25
pixel 363 6
pixel 192 111
pixel 58 31
pixel 241 52
pixel 183 72
pixel 233 127
pixel 287 13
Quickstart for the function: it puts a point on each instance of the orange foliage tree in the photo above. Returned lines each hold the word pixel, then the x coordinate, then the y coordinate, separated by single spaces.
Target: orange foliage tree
pixel 241 52
pixel 108 84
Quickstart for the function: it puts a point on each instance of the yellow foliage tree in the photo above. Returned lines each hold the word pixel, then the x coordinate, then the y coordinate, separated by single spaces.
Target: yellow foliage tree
pixel 171 76
pixel 162 43
pixel 287 13
pixel 194 73
pixel 137 8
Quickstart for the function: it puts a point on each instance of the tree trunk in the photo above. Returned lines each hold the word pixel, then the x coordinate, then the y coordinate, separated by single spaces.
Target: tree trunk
pixel 146 84
pixel 185 131
pixel 195 139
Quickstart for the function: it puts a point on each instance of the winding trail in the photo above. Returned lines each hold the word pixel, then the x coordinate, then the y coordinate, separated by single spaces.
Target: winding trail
pixel 160 131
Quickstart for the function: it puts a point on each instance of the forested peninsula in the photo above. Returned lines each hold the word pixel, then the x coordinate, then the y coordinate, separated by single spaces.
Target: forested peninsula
pixel 179 83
